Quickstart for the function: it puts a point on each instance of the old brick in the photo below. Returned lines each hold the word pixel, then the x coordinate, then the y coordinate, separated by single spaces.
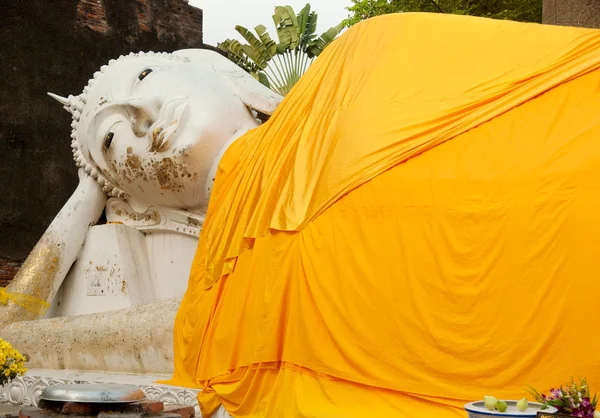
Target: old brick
pixel 90 13
pixel 171 20
pixel 8 270
pixel 185 411
pixel 79 408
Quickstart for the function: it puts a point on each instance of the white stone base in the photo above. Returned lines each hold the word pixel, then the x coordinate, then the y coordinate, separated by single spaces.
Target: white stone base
pixel 120 267
pixel 26 390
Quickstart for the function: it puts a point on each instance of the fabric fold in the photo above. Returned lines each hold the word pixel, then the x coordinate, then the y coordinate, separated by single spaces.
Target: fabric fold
pixel 414 228
pixel 387 90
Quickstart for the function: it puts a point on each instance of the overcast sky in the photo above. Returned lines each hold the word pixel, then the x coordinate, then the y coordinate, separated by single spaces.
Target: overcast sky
pixel 221 16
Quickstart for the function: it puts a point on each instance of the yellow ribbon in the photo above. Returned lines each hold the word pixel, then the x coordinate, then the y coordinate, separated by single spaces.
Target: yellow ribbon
pixel 31 303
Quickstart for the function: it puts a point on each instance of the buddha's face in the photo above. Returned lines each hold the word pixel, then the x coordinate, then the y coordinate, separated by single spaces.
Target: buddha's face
pixel 153 125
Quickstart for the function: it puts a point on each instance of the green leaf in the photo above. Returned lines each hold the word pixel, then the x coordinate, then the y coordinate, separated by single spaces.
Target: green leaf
pixel 302 19
pixel 286 25
pixel 256 51
pixel 266 40
pixel 317 46
pixel 236 54
pixel 279 65
pixel 255 56
pixel 262 77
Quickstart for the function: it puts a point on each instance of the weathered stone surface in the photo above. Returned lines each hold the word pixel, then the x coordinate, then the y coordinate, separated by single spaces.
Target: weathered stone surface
pixel 148 408
pixel 32 412
pixel 130 341
pixel 8 410
pixel 120 415
pixel 85 410
pixel 582 13
pixel 29 412
pixel 185 411
pixel 170 415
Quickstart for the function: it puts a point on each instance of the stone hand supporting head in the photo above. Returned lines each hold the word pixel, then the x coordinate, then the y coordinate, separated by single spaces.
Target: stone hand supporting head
pixel 47 265
pixel 149 126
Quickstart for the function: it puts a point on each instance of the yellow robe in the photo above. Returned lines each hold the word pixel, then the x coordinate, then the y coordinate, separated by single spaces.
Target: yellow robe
pixel 417 226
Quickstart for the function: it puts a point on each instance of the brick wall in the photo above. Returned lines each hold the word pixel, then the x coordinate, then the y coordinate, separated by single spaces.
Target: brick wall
pixel 170 19
pixel 90 13
pixel 8 269
pixel 176 19
pixel 143 15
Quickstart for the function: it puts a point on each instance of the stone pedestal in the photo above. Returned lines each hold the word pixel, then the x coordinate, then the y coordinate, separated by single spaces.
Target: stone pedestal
pixel 582 13
pixel 137 340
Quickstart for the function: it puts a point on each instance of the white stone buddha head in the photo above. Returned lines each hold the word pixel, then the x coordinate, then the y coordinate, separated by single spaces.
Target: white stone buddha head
pixel 149 126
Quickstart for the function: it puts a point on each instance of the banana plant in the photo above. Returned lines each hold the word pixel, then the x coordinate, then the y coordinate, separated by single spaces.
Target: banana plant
pixel 280 65
pixel 235 52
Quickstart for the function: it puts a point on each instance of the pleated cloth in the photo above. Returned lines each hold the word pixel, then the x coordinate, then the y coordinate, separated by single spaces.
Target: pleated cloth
pixel 416 226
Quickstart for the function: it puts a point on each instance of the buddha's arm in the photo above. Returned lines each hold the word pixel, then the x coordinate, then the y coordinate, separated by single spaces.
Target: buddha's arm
pixel 47 265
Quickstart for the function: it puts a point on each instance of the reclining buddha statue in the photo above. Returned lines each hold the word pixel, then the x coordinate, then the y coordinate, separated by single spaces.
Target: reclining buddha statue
pixel 148 132
pixel 413 228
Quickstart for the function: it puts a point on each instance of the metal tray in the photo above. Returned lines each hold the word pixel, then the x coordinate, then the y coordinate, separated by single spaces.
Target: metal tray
pixel 93 393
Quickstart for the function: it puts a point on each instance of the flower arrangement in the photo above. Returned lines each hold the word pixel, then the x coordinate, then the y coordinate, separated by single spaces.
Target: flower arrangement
pixel 572 399
pixel 12 363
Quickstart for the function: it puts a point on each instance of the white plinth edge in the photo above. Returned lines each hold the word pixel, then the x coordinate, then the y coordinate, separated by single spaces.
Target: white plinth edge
pixel 27 389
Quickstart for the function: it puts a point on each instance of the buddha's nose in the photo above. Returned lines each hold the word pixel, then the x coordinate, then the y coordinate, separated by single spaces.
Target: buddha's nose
pixel 143 113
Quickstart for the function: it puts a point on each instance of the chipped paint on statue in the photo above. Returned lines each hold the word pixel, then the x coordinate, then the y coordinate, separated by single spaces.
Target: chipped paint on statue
pixel 148 132
pixel 149 126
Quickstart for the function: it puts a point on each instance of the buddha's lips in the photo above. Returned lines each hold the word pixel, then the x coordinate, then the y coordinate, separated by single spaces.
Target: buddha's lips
pixel 166 125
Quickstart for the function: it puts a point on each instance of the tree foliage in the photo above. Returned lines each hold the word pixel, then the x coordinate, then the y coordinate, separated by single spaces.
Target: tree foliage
pixel 279 65
pixel 521 10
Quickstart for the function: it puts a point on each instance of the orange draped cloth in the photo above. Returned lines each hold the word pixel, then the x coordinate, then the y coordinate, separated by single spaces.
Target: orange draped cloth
pixel 416 226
